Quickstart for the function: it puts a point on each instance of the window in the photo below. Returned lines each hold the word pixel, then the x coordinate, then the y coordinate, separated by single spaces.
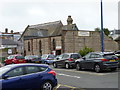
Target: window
pixel 40 46
pixel 28 46
pixel 65 56
pixel 75 56
pixel 51 56
pixel 15 72
pixel 87 56
pixel 32 69
pixel 54 44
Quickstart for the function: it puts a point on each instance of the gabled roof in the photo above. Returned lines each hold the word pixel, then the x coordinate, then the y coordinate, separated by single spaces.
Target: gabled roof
pixel 53 28
pixel 7 42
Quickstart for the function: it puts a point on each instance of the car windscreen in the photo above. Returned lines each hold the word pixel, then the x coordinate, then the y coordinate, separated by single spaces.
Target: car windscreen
pixel 44 56
pixel 20 57
pixel 110 56
pixel 3 70
pixel 75 56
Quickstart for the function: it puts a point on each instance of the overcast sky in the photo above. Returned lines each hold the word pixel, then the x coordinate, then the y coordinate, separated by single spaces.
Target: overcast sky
pixel 17 14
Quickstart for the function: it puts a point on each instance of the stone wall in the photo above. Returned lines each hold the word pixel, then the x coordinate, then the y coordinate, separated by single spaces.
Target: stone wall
pixel 70 42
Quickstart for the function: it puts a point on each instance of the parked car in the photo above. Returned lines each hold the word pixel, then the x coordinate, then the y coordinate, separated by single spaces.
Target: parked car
pixel 117 53
pixel 27 76
pixel 98 61
pixel 14 59
pixel 47 58
pixel 66 60
pixel 33 59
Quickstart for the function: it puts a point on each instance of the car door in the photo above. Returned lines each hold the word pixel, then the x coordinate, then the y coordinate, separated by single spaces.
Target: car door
pixel 14 79
pixel 60 60
pixel 31 78
pixel 86 61
pixel 91 61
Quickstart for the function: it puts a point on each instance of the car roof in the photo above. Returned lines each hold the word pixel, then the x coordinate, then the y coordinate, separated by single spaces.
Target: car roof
pixel 26 64
pixel 103 53
pixel 70 53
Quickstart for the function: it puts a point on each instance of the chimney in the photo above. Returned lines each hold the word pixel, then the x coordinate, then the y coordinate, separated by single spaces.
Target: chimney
pixel 69 20
pixel 11 31
pixel 6 30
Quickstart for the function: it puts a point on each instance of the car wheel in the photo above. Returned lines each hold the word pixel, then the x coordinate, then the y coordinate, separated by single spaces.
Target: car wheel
pixel 67 66
pixel 54 65
pixel 47 86
pixel 78 67
pixel 113 69
pixel 97 68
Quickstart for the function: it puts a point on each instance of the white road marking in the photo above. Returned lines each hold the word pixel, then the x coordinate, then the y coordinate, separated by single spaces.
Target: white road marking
pixel 84 72
pixel 61 74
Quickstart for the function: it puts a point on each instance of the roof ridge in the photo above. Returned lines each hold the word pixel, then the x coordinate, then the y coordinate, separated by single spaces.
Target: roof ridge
pixel 47 23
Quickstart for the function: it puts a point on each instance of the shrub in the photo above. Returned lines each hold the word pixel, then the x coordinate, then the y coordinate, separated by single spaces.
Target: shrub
pixel 85 51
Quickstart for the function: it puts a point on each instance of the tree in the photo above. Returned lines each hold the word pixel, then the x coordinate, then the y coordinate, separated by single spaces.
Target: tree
pixel 85 51
pixel 106 31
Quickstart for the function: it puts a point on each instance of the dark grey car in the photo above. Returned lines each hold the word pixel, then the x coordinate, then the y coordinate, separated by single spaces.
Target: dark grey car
pixel 66 60
pixel 98 61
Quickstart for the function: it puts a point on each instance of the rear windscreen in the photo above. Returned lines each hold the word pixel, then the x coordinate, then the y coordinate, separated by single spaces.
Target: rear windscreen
pixel 75 56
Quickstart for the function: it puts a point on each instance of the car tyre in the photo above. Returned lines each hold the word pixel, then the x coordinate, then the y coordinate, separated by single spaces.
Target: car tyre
pixel 97 68
pixel 67 66
pixel 55 65
pixel 78 67
pixel 47 86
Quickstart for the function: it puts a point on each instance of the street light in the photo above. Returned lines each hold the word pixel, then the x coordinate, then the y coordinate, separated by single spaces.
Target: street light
pixel 102 32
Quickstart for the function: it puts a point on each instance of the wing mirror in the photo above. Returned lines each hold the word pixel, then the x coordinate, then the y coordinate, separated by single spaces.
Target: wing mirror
pixel 84 58
pixel 5 77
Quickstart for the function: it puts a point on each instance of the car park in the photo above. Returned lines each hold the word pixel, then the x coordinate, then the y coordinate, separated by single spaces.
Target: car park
pixel 33 59
pixel 14 59
pixel 27 76
pixel 98 61
pixel 47 58
pixel 66 60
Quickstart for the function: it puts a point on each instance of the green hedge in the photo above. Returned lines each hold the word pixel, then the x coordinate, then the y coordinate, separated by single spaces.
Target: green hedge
pixel 2 59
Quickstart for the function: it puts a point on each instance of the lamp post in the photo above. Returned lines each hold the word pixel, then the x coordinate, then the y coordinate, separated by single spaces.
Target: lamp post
pixel 102 32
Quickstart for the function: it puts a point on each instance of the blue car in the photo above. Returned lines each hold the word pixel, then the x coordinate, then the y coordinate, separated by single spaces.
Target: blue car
pixel 47 58
pixel 27 77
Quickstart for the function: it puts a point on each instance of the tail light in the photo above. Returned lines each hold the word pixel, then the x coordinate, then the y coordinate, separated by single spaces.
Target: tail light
pixel 52 72
pixel 104 59
pixel 70 59
pixel 116 59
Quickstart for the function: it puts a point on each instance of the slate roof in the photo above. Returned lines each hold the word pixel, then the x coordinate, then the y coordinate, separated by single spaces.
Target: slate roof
pixel 54 28
pixel 7 42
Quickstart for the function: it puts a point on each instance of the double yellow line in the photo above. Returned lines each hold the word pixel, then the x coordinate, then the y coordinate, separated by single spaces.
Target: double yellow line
pixel 72 88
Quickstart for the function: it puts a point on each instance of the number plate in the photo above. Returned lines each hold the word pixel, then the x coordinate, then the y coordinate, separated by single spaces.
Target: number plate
pixel 20 60
pixel 112 60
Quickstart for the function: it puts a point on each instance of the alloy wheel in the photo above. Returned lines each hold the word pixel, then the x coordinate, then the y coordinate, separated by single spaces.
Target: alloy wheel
pixel 97 68
pixel 47 86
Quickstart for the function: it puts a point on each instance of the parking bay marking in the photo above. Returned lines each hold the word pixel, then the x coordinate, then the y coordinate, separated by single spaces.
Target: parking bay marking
pixel 92 73
pixel 61 74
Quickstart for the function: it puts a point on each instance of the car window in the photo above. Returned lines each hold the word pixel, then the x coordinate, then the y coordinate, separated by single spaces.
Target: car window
pixel 15 72
pixel 87 56
pixel 44 56
pixel 95 56
pixel 51 56
pixel 65 56
pixel 19 57
pixel 110 56
pixel 75 56
pixel 32 69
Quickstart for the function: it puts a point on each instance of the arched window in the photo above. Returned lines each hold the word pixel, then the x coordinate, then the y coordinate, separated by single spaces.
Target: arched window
pixel 28 46
pixel 54 44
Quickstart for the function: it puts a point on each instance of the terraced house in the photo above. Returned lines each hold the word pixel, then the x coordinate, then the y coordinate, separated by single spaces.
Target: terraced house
pixel 56 38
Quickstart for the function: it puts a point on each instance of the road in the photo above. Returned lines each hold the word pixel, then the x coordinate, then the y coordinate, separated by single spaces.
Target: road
pixel 72 79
